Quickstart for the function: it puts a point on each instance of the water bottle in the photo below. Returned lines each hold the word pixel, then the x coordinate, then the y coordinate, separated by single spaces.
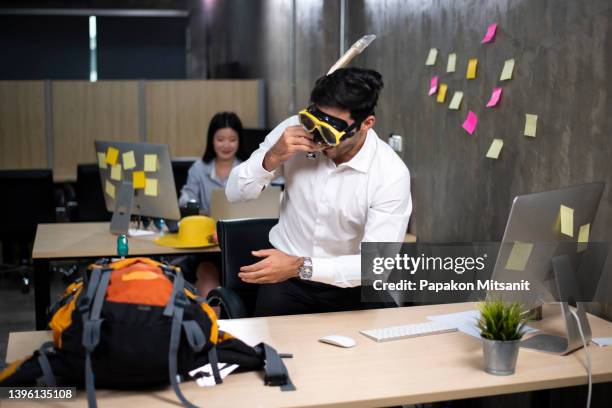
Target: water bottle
pixel 122 246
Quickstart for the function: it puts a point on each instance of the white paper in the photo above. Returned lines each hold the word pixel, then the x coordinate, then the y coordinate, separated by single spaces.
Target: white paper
pixel 208 380
pixel 602 341
pixel 465 322
pixel 139 233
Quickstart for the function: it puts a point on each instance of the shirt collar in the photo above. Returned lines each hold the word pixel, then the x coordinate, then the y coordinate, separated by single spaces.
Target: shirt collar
pixel 212 172
pixel 363 159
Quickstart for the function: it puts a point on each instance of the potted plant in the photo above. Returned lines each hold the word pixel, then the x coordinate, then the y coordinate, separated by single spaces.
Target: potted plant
pixel 501 327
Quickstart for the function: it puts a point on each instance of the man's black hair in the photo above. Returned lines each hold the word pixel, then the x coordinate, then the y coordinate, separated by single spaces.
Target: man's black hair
pixel 352 89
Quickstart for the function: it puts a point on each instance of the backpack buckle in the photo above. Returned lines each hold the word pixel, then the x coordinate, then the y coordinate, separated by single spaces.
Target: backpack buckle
pixel 180 300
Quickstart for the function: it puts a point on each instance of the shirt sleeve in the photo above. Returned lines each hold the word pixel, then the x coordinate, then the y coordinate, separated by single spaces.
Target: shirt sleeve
pixel 247 180
pixel 191 189
pixel 387 221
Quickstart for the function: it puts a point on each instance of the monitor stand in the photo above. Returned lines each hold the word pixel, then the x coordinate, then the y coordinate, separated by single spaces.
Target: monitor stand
pixel 120 222
pixel 562 345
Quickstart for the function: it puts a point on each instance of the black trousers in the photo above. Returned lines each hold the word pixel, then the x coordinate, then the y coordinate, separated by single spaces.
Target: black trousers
pixel 295 296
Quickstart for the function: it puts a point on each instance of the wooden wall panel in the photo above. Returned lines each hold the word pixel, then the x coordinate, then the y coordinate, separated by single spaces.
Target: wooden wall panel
pixel 22 125
pixel 178 112
pixel 84 112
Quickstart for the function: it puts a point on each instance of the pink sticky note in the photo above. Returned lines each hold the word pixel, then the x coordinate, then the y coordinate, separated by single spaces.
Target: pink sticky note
pixel 470 122
pixel 491 30
pixel 433 86
pixel 495 96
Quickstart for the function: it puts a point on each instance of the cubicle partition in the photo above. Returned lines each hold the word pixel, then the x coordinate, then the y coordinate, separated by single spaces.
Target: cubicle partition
pixel 53 124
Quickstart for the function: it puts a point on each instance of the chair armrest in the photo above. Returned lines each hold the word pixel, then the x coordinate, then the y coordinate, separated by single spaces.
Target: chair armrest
pixel 229 301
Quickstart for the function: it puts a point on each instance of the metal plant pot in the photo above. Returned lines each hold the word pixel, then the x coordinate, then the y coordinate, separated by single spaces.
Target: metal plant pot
pixel 500 356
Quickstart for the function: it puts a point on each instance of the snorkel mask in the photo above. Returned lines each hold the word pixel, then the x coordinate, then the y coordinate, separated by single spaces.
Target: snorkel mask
pixel 326 128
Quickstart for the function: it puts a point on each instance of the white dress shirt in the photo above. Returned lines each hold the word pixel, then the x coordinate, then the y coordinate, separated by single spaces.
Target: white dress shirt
pixel 328 210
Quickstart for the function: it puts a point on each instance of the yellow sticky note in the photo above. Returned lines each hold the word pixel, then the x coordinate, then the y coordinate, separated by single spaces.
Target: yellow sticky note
pixel 519 256
pixel 116 172
pixel 507 70
pixel 583 237
pixel 101 160
pixel 452 63
pixel 531 125
pixel 129 162
pixel 567 221
pixel 442 93
pixel 112 155
pixel 110 189
pixel 471 70
pixel 138 179
pixel 431 57
pixel 150 162
pixel 495 149
pixel 151 187
pixel 456 100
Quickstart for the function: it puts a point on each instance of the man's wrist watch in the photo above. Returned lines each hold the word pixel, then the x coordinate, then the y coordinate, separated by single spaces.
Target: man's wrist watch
pixel 305 271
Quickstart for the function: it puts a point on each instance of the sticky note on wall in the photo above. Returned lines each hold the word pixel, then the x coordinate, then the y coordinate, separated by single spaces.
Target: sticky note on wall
pixel 470 122
pixel 583 237
pixel 495 97
pixel 138 180
pixel 109 188
pixel 567 220
pixel 129 161
pixel 490 34
pixel 495 148
pixel 531 125
pixel 452 63
pixel 433 85
pixel 442 93
pixel 471 70
pixel 507 70
pixel 431 57
pixel 102 160
pixel 456 100
pixel 151 187
pixel 116 172
pixel 150 162
pixel 519 256
pixel 112 155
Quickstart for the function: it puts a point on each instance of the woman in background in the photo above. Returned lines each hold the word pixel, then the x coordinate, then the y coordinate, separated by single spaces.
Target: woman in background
pixel 224 151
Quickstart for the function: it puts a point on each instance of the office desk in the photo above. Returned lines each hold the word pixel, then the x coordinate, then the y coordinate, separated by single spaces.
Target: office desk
pixel 410 371
pixel 83 240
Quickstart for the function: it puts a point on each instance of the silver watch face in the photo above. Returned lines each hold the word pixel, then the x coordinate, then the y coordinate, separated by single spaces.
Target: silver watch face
pixel 306 269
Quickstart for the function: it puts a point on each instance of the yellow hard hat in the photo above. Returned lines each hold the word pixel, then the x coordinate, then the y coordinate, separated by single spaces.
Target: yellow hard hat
pixel 194 232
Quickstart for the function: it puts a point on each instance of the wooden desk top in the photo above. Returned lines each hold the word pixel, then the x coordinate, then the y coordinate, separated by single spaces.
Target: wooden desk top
pixel 410 371
pixel 93 239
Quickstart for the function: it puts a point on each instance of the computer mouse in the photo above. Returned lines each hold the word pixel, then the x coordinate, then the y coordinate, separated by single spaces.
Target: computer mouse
pixel 337 340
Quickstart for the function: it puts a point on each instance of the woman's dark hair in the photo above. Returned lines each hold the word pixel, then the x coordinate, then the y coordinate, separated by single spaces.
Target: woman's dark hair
pixel 352 89
pixel 219 121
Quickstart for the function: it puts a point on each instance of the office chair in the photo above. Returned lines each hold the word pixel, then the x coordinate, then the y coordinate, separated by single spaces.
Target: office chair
pixel 180 169
pixel 89 195
pixel 28 201
pixel 237 238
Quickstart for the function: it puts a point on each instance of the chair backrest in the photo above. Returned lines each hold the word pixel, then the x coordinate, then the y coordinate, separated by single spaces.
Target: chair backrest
pixel 267 205
pixel 89 195
pixel 27 200
pixel 252 138
pixel 237 238
pixel 180 169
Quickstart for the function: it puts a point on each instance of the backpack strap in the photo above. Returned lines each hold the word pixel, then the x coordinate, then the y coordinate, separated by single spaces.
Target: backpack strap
pixel 276 371
pixel 43 361
pixel 90 311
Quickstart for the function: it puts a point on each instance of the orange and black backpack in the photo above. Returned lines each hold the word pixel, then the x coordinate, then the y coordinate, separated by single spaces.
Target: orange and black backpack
pixel 136 323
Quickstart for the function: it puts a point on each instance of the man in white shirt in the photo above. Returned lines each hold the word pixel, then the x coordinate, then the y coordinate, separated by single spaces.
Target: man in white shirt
pixel 355 189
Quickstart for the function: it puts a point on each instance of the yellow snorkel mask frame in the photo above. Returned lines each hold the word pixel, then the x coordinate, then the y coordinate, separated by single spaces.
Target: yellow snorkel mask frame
pixel 326 128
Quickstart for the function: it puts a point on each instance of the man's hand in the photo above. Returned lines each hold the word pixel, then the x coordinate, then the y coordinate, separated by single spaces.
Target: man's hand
pixel 294 139
pixel 276 266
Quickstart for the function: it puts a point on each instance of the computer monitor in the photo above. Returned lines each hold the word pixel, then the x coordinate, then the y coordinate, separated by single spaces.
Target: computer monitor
pixel 556 264
pixel 136 179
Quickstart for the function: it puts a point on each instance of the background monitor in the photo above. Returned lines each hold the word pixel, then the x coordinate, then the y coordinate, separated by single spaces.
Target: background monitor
pixel 155 196
pixel 535 221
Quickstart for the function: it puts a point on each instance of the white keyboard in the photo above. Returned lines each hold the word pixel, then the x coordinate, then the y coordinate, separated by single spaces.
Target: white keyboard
pixel 407 331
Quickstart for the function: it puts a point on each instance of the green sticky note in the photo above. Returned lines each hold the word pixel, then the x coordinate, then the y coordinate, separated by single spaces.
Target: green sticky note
pixel 519 256
pixel 495 148
pixel 567 220
pixel 129 161
pixel 456 100
pixel 431 57
pixel 507 70
pixel 102 160
pixel 151 187
pixel 531 125
pixel 452 63
pixel 150 162
pixel 583 237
